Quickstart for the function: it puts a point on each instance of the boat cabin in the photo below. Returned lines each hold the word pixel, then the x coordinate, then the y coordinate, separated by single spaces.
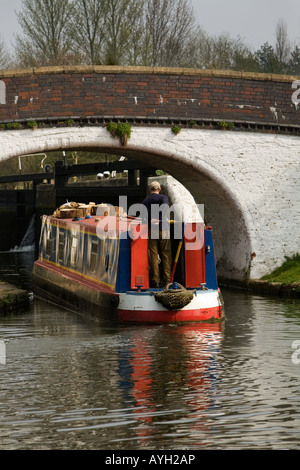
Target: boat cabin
pixel 117 259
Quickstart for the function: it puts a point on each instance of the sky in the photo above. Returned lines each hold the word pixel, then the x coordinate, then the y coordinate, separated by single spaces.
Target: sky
pixel 254 21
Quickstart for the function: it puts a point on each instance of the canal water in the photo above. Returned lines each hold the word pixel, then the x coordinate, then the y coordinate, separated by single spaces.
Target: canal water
pixel 69 382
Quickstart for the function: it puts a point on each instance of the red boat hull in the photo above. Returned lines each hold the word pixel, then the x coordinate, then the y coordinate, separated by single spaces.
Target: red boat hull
pixel 64 289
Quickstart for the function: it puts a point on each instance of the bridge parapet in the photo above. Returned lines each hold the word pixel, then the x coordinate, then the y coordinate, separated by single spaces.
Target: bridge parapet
pixel 95 94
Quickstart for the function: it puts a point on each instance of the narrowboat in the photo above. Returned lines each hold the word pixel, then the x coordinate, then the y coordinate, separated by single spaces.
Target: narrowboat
pixel 98 265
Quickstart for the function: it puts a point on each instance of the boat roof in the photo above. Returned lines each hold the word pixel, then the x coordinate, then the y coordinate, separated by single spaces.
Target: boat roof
pixel 109 225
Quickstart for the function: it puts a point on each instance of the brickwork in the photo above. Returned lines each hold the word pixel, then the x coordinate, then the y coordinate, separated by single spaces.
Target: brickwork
pixel 147 93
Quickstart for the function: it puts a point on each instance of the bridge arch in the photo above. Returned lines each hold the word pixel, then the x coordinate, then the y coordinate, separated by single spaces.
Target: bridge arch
pixel 225 171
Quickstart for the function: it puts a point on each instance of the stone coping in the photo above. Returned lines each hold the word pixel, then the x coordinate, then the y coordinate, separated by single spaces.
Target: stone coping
pixel 12 298
pixel 260 286
pixel 106 69
pixel 263 287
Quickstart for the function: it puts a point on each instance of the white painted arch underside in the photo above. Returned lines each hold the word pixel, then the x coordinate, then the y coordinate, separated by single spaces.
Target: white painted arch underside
pixel 248 183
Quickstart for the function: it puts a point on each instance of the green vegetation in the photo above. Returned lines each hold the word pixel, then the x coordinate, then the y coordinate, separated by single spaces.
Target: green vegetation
pixel 164 33
pixel 226 125
pixel 112 127
pixel 287 273
pixel 32 125
pixel 122 131
pixel 13 125
pixel 176 130
pixel 67 123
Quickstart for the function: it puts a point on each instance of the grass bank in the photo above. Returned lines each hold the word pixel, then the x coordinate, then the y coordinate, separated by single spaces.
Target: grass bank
pixel 288 273
pixel 283 281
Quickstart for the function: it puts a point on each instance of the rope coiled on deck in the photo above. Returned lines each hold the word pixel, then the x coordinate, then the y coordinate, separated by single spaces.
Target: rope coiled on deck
pixel 174 299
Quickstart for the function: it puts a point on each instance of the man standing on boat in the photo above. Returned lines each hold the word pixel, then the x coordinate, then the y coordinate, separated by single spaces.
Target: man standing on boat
pixel 159 242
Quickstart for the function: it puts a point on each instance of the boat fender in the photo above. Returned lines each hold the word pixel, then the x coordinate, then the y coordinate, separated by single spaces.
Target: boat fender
pixel 174 299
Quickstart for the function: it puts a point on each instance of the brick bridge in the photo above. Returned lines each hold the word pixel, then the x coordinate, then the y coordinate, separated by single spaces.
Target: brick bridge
pixel 247 177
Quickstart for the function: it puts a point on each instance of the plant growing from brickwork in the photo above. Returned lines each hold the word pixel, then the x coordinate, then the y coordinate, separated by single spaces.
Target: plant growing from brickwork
pixel 13 125
pixel 32 125
pixel 122 131
pixel 176 130
pixel 66 123
pixel 112 127
pixel 225 125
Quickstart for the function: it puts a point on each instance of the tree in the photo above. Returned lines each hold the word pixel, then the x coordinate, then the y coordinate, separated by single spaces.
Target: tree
pixel 107 31
pixel 282 46
pixel 88 29
pixel 170 28
pixel 222 52
pixel 118 23
pixel 294 62
pixel 243 59
pixel 45 25
pixel 5 58
pixel 136 47
pixel 137 32
pixel 267 60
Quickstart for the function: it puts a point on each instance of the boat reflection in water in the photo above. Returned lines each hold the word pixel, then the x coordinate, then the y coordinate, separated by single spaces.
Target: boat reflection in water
pixel 172 368
pixel 73 382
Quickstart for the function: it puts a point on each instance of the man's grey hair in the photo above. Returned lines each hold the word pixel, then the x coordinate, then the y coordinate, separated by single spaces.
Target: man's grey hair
pixel 154 186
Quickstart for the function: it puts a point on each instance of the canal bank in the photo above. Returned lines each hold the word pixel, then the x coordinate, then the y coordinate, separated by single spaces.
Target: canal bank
pixel 279 289
pixel 12 299
pixel 282 282
pixel 265 288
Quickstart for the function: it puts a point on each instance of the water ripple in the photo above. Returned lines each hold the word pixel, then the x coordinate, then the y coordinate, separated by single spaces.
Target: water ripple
pixel 72 383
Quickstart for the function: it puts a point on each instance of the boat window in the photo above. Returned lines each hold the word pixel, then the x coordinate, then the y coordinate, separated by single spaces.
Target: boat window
pixel 61 246
pixel 48 242
pixel 93 258
pixel 107 259
pixel 74 245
